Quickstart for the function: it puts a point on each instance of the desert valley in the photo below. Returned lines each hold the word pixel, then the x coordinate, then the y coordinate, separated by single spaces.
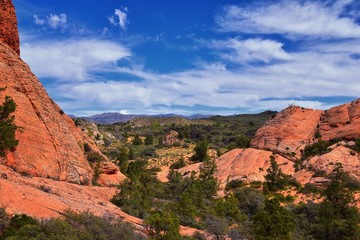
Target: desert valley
pixel 292 174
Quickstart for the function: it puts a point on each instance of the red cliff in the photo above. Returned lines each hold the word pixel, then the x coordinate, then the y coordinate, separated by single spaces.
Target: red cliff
pixel 50 145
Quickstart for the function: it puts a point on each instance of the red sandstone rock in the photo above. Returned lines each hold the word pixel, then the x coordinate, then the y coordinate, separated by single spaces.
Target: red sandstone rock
pixel 341 122
pixel 50 145
pixel 289 131
pixel 47 198
pixel 171 138
pixel 245 164
pixel 327 162
pixel 8 25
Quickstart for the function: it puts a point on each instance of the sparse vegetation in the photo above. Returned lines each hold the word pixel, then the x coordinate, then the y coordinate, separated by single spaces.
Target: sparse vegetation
pixel 83 226
pixel 254 210
pixel 8 128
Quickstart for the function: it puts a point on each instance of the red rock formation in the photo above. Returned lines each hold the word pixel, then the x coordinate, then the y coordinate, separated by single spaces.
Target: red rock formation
pixel 171 138
pixel 341 122
pixel 49 142
pixel 289 131
pixel 245 164
pixel 8 25
pixel 47 198
pixel 340 154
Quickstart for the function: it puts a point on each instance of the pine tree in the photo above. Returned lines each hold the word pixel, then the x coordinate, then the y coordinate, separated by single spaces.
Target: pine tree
pixel 7 126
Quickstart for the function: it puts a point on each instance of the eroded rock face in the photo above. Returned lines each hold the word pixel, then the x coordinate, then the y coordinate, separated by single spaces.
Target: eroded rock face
pixel 246 164
pixel 289 131
pixel 47 146
pixel 340 154
pixel 50 145
pixel 341 122
pixel 8 25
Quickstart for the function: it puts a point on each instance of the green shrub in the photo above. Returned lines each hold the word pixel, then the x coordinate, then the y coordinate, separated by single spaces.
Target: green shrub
pixel 178 164
pixel 310 188
pixel 163 225
pixel 7 126
pixel 200 149
pixel 137 140
pixel 318 148
pixel 233 184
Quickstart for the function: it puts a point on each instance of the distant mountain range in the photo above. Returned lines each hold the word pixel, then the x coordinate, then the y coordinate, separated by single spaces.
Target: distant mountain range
pixel 114 117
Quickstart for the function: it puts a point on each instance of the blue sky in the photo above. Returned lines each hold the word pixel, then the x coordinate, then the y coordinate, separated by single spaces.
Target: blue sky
pixel 200 56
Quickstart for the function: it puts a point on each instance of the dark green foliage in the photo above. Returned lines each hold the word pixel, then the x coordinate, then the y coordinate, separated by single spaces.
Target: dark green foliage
pixel 228 208
pixel 336 218
pixel 131 155
pixel 310 188
pixel 149 152
pixel 317 148
pixel 200 149
pixel 163 225
pixel 216 226
pixel 71 226
pixel 250 200
pixel 7 126
pixel 337 192
pixel 94 157
pixel 276 179
pixel 87 148
pixel 243 141
pixel 137 140
pixel 333 218
pixel 234 184
pixel 356 147
pixel 178 164
pixel 273 222
pixel 16 223
pixel 149 139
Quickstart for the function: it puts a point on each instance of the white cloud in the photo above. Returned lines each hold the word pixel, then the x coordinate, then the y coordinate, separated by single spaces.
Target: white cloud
pixel 250 50
pixel 72 59
pixel 56 21
pixel 38 21
pixel 294 18
pixel 119 18
pixel 53 21
pixel 307 75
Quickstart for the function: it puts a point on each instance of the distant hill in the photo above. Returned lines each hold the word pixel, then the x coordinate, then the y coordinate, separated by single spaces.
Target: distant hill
pixel 114 117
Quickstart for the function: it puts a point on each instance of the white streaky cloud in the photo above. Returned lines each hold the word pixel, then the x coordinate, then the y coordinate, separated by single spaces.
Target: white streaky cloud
pixel 307 75
pixel 57 21
pixel 38 21
pixel 250 50
pixel 72 59
pixel 293 18
pixel 119 18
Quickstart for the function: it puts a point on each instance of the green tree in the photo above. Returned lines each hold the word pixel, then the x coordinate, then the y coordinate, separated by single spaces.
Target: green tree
pixel 273 222
pixel 137 140
pixel 163 225
pixel 200 149
pixel 337 219
pixel 7 126
pixel 149 139
pixel 275 178
pixel 131 154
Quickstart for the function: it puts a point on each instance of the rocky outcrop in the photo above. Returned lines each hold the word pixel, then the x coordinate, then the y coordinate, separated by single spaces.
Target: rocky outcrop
pixel 50 145
pixel 341 122
pixel 46 198
pixel 171 138
pixel 348 158
pixel 289 131
pixel 244 164
pixel 8 25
